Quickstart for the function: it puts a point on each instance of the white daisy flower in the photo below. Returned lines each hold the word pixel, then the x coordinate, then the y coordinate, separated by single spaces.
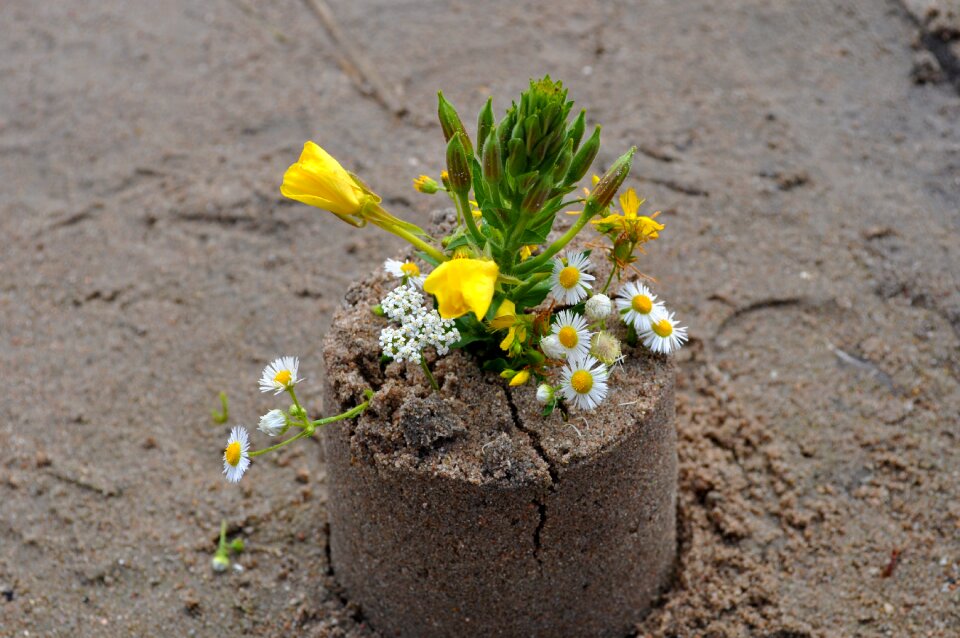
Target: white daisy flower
pixel 552 348
pixel 408 271
pixel 273 423
pixel 637 305
pixel 236 456
pixel 664 335
pixel 280 375
pixel 571 331
pixel 545 393
pixel 570 279
pixel 598 307
pixel 583 382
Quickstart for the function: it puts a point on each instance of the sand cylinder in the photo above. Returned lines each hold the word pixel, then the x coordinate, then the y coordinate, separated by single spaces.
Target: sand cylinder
pixel 468 513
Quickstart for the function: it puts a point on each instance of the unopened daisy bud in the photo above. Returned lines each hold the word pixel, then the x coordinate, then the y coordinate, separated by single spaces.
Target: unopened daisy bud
pixel 237 545
pixel 520 378
pixel 598 307
pixel 552 348
pixel 378 310
pixel 220 562
pixel 426 184
pixel 609 184
pixel 272 423
pixel 296 412
pixel 458 165
pixel 545 393
pixel 605 347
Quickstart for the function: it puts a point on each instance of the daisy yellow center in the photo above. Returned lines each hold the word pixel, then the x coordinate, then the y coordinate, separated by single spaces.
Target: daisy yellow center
pixel 283 377
pixel 410 269
pixel 232 453
pixel 642 304
pixel 568 336
pixel 662 328
pixel 581 381
pixel 569 277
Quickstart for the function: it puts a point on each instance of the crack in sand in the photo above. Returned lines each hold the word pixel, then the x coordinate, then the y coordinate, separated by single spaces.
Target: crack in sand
pixel 540 504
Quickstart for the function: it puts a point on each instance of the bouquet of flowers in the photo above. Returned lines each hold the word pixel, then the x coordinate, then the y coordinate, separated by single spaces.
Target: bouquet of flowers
pixel 503 285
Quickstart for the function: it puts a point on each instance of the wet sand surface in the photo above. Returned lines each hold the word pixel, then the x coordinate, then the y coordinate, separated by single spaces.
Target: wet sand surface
pixel 806 157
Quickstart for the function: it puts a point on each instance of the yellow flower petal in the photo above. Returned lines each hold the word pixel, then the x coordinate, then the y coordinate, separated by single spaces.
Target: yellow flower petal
pixel 317 179
pixel 505 315
pixel 520 378
pixel 630 203
pixel 463 285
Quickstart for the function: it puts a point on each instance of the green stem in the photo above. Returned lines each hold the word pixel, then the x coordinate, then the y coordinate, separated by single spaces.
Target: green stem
pixel 529 266
pixel 311 426
pixel 426 371
pixel 299 435
pixel 416 241
pixel 613 271
pixel 525 287
pixel 352 412
pixel 463 204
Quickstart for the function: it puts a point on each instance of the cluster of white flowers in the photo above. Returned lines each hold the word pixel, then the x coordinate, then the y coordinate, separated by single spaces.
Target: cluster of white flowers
pixel 419 327
pixel 582 342
pixel 653 323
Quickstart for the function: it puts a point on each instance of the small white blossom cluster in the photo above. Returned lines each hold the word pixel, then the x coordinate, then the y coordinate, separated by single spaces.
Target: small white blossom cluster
pixel 419 327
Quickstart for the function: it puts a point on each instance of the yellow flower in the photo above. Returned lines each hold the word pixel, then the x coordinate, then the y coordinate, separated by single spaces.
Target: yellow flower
pixel 520 378
pixel 426 184
pixel 506 318
pixel 317 179
pixel 638 229
pixel 526 251
pixel 462 285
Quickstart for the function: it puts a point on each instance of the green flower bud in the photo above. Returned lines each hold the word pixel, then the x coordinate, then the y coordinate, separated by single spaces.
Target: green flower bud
pixel 563 161
pixel 451 124
pixel 492 161
pixel 584 158
pixel 609 184
pixel 536 196
pixel 577 128
pixel 458 166
pixel 296 412
pixel 237 545
pixel 516 157
pixel 220 562
pixel 378 310
pixel 484 125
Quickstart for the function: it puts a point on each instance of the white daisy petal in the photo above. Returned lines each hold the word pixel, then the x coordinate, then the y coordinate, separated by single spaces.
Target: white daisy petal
pixel 280 375
pixel 664 335
pixel 236 456
pixel 583 382
pixel 408 271
pixel 572 333
pixel 636 304
pixel 570 279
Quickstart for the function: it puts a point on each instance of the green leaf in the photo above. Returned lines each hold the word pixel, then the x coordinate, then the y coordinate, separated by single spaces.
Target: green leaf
pixel 534 296
pixel 427 258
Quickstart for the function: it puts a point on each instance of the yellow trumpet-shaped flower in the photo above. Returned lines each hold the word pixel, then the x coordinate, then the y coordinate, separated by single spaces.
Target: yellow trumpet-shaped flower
pixel 317 179
pixel 463 285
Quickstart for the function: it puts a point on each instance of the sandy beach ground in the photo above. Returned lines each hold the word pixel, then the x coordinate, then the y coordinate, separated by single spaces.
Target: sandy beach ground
pixel 806 157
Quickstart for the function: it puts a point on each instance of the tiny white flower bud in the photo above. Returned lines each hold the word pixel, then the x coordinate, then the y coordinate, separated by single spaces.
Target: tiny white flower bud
pixel 544 393
pixel 272 423
pixel 552 348
pixel 598 307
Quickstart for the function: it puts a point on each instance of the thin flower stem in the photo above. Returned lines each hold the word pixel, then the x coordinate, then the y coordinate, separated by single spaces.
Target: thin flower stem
pixel 352 412
pixel 300 411
pixel 613 271
pixel 426 371
pixel 521 290
pixel 529 266
pixel 299 435
pixel 463 204
pixel 416 241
